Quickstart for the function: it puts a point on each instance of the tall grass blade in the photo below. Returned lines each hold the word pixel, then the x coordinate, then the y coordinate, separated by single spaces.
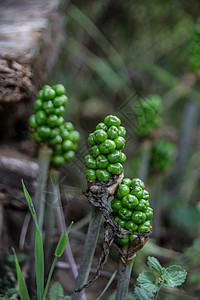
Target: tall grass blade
pixel 39 263
pixel 22 285
pixel 30 204
pixel 39 254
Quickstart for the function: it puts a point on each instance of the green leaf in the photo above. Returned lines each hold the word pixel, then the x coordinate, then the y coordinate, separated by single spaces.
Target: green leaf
pixel 39 255
pixel 175 276
pixel 147 281
pixel 108 284
pixel 56 291
pixel 22 285
pixel 30 204
pixel 39 263
pixel 142 294
pixel 154 264
pixel 67 298
pixel 62 243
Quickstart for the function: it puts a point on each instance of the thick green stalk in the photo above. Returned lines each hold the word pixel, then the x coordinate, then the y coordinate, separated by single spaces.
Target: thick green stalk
pixel 44 159
pixel 157 204
pixel 124 275
pixel 49 223
pixel 188 126
pixel 38 201
pixel 88 252
pixel 145 160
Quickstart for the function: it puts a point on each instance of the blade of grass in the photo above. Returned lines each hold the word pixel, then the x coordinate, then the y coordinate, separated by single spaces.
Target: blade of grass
pixel 39 263
pixel 30 204
pixel 39 254
pixel 22 285
pixel 108 284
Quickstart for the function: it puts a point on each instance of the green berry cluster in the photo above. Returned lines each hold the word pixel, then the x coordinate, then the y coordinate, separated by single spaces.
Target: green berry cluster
pixel 149 114
pixel 194 48
pixel 49 125
pixel 131 208
pixel 106 142
pixel 162 154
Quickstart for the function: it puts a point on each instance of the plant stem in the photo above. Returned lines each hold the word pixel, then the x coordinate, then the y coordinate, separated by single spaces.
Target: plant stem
pixel 157 204
pixel 189 122
pixel 49 224
pixel 88 252
pixel 156 295
pixel 44 159
pixel 38 201
pixel 49 277
pixel 145 160
pixel 124 277
pixel 54 178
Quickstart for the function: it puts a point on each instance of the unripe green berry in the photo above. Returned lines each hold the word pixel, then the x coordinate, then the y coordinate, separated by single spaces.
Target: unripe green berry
pixel 48 93
pixel 38 104
pixel 40 117
pixel 59 89
pixel 102 162
pixel 100 136
pixel 101 126
pixel 74 136
pixel 107 146
pixel 69 155
pixel 112 121
pixel 91 174
pixel 58 160
pixel 32 121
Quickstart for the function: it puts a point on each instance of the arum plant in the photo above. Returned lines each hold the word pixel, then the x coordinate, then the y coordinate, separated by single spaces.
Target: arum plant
pixel 58 140
pixel 49 109
pixel 132 211
pixel 39 257
pixel 104 173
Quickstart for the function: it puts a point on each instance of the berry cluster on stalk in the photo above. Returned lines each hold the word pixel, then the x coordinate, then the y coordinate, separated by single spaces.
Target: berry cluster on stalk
pixel 149 115
pixel 106 142
pixel 162 154
pixel 131 209
pixel 49 126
